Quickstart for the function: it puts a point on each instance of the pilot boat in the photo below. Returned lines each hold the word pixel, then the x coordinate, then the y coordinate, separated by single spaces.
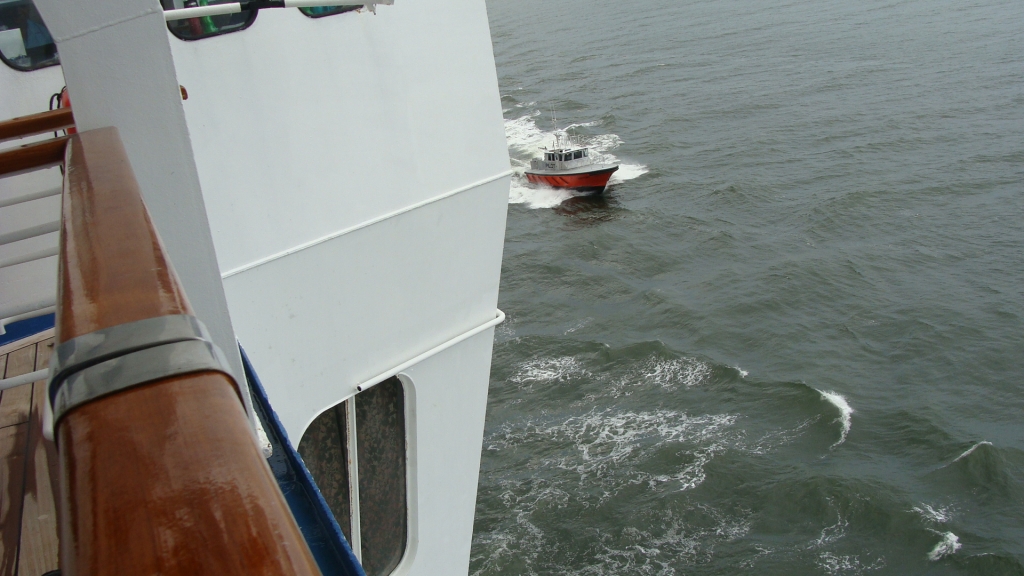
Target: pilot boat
pixel 568 164
pixel 213 199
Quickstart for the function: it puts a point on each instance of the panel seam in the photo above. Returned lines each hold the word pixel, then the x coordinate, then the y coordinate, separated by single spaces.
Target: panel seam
pixel 361 225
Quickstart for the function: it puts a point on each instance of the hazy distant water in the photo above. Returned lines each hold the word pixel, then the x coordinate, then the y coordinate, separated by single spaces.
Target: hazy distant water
pixel 789 340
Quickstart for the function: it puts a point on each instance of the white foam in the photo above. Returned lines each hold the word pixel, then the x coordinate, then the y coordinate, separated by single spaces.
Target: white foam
pixel 671 373
pixel 627 172
pixel 743 373
pixel 548 370
pixel 830 534
pixel 833 563
pixel 845 413
pixel 939 515
pixel 579 325
pixel 948 545
pixel 668 374
pixel 526 141
pixel 771 440
pixel 606 439
pixel 657 550
pixel 521 192
pixel 972 449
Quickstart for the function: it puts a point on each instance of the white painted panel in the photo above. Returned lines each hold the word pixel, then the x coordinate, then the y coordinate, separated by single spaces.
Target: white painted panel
pixel 28 92
pixel 303 127
pixel 447 419
pixel 320 321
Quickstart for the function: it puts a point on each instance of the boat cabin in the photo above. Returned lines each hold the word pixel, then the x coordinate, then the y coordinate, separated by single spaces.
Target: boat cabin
pixel 565 155
pixel 562 159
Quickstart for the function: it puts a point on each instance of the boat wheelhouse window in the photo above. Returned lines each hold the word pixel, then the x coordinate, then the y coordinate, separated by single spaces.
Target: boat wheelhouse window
pixel 585 153
pixel 206 26
pixel 549 157
pixel 381 522
pixel 25 43
pixel 577 154
pixel 321 11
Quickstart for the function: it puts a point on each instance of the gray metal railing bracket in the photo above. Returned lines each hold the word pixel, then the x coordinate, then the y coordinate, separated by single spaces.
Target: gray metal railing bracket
pixel 120 357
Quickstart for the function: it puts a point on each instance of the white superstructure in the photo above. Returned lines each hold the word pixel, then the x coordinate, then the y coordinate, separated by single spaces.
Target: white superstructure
pixel 353 240
pixel 351 235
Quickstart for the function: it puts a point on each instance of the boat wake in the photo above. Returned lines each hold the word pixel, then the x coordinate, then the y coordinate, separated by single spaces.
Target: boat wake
pixel 526 141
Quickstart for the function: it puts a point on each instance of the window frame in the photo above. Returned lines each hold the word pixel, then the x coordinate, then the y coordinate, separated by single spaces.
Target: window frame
pixel 253 13
pixel 46 63
pixel 339 423
pixel 341 9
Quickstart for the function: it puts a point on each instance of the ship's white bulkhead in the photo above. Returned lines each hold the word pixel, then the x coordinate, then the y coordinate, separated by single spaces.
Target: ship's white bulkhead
pixel 354 241
pixel 355 244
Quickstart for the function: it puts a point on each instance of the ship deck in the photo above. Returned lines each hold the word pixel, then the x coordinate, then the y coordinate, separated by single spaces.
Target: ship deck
pixel 589 168
pixel 28 465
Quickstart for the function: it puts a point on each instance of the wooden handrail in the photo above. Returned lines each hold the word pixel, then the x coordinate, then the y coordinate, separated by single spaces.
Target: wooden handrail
pixel 33 156
pixel 165 477
pixel 40 123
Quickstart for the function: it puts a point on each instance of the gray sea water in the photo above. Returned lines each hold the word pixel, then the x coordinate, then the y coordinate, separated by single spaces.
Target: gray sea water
pixel 789 338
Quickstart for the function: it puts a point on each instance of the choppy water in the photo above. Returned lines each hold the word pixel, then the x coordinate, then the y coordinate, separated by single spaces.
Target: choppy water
pixel 788 340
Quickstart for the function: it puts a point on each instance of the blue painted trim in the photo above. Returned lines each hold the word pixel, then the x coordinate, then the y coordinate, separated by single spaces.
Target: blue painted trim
pixel 25 328
pixel 316 521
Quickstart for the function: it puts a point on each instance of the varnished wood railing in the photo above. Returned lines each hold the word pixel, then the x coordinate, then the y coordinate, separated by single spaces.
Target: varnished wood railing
pixel 39 154
pixel 165 477
pixel 40 123
pixel 33 156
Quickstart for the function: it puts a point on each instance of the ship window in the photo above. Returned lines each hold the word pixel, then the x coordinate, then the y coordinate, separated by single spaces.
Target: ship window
pixel 206 26
pixel 381 518
pixel 25 43
pixel 585 153
pixel 321 11
pixel 577 154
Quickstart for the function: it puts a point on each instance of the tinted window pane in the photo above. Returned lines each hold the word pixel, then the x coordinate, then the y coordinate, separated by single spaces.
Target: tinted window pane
pixel 321 11
pixel 324 448
pixel 206 26
pixel 25 43
pixel 381 451
pixel 380 438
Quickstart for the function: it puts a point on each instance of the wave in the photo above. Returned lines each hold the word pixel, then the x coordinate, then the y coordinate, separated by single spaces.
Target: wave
pixel 832 563
pixel 670 373
pixel 616 449
pixel 527 141
pixel 940 515
pixel 948 545
pixel 984 466
pixel 549 370
pixel 845 413
pixel 971 450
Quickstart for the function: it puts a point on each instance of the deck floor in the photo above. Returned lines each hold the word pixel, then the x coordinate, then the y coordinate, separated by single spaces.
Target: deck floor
pixel 28 465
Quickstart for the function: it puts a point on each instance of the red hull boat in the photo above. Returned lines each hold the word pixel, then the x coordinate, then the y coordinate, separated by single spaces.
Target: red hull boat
pixel 590 180
pixel 569 165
